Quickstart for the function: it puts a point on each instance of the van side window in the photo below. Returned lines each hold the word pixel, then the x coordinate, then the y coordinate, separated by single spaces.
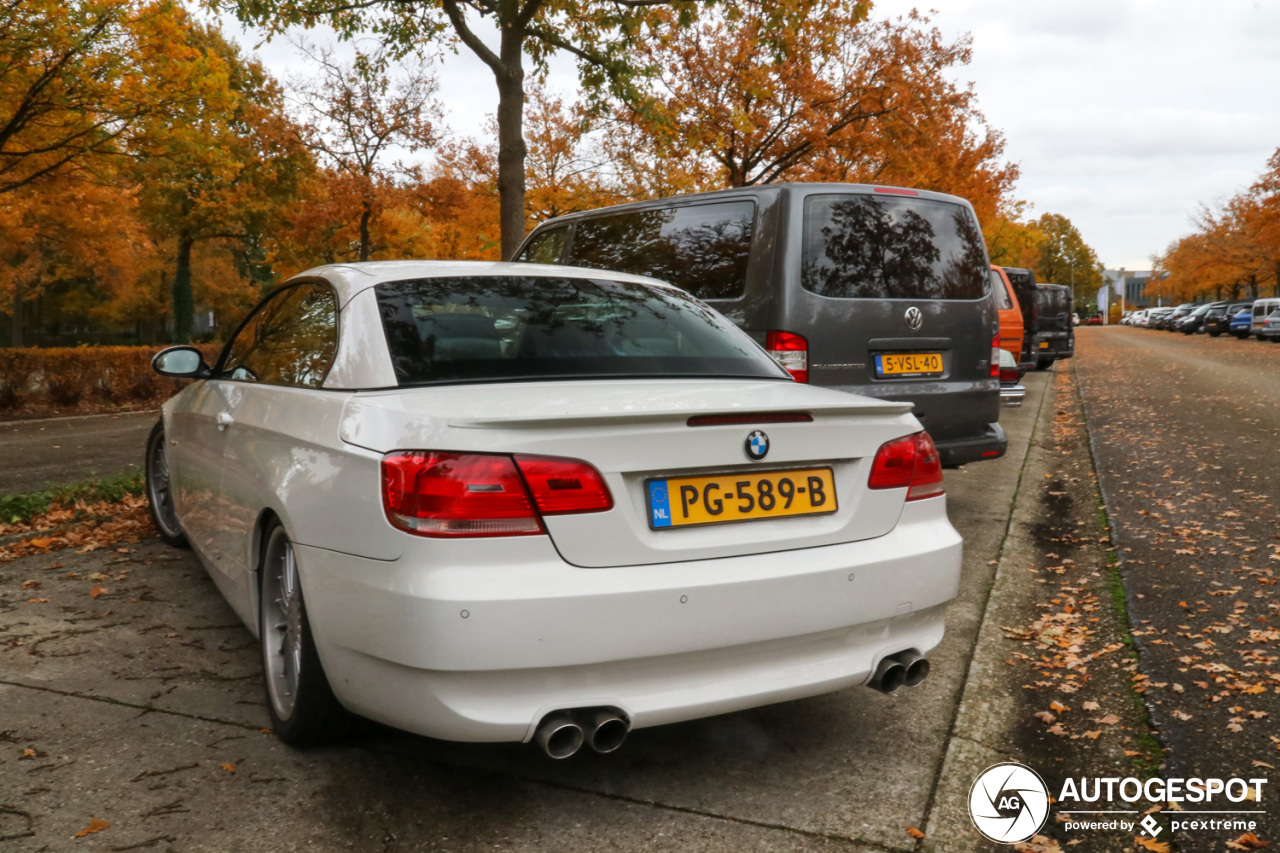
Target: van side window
pixel 888 247
pixel 545 248
pixel 699 248
pixel 1002 295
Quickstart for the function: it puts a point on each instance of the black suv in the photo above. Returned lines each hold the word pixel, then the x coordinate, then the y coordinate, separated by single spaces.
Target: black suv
pixel 1218 319
pixel 1055 335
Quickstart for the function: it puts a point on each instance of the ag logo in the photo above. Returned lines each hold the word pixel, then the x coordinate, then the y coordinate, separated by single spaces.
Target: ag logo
pixel 1008 802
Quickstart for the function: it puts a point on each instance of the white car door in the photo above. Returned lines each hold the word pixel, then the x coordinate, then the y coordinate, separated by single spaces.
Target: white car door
pixel 275 365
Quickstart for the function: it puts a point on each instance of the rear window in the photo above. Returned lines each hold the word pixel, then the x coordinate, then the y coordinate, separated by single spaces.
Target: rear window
pixel 700 248
pixel 891 247
pixel 522 328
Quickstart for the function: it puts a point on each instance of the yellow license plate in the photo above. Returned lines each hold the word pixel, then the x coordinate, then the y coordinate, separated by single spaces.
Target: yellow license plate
pixel 909 364
pixel 1044 345
pixel 740 497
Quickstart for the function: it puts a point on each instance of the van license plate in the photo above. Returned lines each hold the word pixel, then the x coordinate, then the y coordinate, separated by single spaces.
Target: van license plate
pixel 1044 345
pixel 740 497
pixel 909 364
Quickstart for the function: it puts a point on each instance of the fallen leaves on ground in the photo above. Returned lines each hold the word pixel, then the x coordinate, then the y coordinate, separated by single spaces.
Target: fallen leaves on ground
pixel 1248 841
pixel 84 527
pixel 914 833
pixel 1039 844
pixel 95 825
pixel 1152 845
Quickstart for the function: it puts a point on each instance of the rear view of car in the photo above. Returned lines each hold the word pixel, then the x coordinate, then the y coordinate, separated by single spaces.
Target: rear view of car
pixel 1218 318
pixel 879 291
pixel 1012 328
pixel 1258 314
pixel 1054 336
pixel 512 502
pixel 1024 288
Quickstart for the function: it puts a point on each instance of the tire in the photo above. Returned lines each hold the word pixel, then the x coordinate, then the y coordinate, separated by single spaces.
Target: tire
pixel 1044 363
pixel 1214 334
pixel 304 712
pixel 164 516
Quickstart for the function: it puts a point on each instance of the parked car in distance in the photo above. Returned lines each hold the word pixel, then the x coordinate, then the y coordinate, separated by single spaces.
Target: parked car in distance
pixel 1218 318
pixel 1156 316
pixel 1259 312
pixel 1195 321
pixel 514 502
pixel 1012 331
pixel 881 291
pixel 1012 391
pixel 1241 322
pixel 1024 289
pixel 1093 320
pixel 1054 335
pixel 1169 322
pixel 1271 327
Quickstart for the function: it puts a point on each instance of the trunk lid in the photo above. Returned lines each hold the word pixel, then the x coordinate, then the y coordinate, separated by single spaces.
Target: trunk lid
pixel 636 432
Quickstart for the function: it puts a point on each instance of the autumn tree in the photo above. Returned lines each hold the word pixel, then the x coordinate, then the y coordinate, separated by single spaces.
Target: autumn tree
pixel 599 34
pixel 829 96
pixel 1065 258
pixel 358 116
pixel 223 173
pixel 87 80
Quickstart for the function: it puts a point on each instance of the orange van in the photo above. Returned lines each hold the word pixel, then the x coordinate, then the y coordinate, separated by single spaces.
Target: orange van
pixel 1011 326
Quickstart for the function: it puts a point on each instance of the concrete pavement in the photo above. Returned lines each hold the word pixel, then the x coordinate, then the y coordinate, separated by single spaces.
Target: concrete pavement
pixel 142 707
pixel 38 454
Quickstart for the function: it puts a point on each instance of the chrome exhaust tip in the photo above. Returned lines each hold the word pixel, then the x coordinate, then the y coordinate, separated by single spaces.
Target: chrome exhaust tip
pixel 607 730
pixel 559 735
pixel 917 668
pixel 889 676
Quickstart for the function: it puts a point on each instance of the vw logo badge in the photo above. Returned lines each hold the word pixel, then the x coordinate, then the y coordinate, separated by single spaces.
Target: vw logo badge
pixel 914 318
pixel 757 445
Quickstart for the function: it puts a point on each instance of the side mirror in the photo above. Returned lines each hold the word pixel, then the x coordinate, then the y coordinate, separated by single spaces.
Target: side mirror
pixel 181 362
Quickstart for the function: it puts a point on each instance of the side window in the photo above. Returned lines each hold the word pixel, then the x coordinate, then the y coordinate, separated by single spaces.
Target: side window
pixel 700 248
pixel 290 339
pixel 1002 294
pixel 546 248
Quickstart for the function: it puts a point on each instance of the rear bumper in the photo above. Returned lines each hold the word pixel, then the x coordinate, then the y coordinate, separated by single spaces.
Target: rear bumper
pixel 991 444
pixel 482 652
pixel 1011 396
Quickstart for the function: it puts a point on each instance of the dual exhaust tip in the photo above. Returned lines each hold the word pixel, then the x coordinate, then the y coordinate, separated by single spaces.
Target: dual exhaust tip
pixel 904 669
pixel 563 733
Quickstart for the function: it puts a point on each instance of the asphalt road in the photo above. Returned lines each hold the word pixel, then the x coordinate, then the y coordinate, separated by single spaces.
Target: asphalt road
pixel 37 454
pixel 143 707
pixel 1186 437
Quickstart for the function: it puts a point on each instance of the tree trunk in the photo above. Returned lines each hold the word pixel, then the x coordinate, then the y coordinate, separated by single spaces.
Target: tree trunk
pixel 366 213
pixel 511 147
pixel 184 306
pixel 16 338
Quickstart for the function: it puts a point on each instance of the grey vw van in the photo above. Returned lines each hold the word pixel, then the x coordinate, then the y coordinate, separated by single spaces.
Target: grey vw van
pixel 880 291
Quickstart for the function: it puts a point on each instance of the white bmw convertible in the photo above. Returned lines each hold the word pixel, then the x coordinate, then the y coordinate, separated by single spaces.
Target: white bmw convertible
pixel 512 502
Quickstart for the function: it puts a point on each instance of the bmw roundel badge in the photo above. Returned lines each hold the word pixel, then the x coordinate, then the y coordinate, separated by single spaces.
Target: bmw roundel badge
pixel 757 445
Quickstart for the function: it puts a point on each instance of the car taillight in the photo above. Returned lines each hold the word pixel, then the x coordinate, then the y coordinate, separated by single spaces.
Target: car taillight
pixel 1009 374
pixel 457 494
pixel 910 462
pixel 995 354
pixel 563 486
pixel 482 494
pixel 791 351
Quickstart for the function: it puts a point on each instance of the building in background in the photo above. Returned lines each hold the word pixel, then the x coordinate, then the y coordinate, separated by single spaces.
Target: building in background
pixel 1127 288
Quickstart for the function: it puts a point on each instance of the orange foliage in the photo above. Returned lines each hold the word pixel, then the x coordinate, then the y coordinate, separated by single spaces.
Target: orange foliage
pixel 1235 250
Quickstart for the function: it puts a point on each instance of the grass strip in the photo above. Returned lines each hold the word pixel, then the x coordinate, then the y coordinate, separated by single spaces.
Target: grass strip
pixel 17 509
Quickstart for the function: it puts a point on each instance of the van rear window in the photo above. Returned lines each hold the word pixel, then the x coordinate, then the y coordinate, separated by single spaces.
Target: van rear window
pixel 700 248
pixel 874 247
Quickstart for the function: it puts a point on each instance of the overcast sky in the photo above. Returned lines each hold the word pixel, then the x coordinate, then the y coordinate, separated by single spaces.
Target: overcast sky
pixel 1124 115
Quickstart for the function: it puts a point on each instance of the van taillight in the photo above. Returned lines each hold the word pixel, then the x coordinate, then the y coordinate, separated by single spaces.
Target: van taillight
pixel 791 351
pixel 995 354
pixel 481 494
pixel 910 462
